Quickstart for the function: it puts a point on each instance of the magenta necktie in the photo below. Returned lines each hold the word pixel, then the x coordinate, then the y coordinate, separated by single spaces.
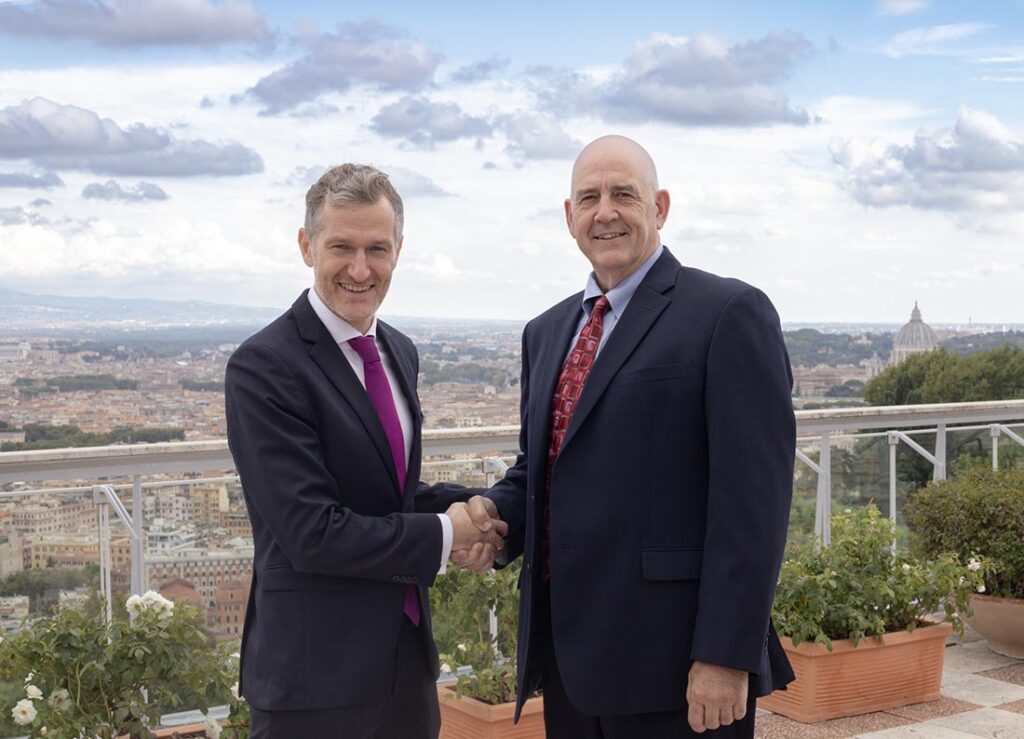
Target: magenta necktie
pixel 379 390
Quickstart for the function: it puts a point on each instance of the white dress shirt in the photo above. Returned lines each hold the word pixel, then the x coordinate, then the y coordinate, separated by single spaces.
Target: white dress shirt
pixel 342 331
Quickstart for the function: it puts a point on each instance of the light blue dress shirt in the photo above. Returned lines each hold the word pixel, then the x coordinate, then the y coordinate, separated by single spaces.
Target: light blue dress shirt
pixel 618 298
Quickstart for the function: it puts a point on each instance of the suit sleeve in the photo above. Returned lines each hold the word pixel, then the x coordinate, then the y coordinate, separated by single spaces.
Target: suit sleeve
pixel 509 494
pixel 276 446
pixel 751 441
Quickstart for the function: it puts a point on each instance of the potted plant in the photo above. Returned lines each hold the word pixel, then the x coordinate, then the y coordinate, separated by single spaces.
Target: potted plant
pixel 980 511
pixel 480 702
pixel 854 620
pixel 84 676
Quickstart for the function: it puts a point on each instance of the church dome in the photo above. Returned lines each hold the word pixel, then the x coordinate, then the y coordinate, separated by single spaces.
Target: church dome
pixel 916 336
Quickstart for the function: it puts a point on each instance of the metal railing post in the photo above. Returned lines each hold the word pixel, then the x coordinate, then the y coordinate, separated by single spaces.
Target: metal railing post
pixel 99 499
pixel 894 440
pixel 138 584
pixel 995 431
pixel 823 505
pixel 940 452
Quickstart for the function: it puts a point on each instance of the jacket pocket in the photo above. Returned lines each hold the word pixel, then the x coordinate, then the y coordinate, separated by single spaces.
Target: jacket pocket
pixel 672 564
pixel 657 372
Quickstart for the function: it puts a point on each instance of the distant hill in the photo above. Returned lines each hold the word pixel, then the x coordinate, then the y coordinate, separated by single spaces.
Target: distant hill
pixel 23 312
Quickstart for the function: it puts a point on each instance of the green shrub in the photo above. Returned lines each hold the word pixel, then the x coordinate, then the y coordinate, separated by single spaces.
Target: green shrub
pixel 858 587
pixel 81 676
pixel 461 603
pixel 979 512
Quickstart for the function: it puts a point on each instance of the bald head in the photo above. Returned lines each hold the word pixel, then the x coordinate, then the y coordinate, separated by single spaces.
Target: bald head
pixel 611 149
pixel 615 209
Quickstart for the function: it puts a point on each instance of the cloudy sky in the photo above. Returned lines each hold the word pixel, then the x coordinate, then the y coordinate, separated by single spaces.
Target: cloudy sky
pixel 849 158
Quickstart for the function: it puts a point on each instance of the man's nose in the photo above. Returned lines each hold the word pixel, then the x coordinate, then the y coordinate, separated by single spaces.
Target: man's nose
pixel 605 210
pixel 359 269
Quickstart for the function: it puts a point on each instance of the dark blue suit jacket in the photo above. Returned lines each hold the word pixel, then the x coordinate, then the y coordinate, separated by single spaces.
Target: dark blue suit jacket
pixel 336 540
pixel 670 497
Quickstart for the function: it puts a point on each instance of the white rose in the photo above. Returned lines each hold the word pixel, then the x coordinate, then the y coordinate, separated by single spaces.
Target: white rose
pixel 29 677
pixel 43 731
pixel 974 565
pixel 23 712
pixel 213 729
pixel 134 605
pixel 906 567
pixel 461 647
pixel 59 700
pixel 981 588
pixel 445 667
pixel 33 692
pixel 234 691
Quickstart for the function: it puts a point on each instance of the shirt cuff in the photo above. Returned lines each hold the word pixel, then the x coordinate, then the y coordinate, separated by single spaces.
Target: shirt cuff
pixel 447 537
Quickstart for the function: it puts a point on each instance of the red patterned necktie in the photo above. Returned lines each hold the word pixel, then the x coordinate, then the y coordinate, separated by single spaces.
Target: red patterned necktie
pixel 567 396
pixel 379 390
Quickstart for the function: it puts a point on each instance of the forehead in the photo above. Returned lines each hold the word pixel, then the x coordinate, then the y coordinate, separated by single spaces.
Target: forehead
pixel 353 219
pixel 606 169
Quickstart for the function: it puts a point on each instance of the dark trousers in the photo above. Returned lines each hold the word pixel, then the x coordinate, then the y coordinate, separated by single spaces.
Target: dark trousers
pixel 409 712
pixel 562 720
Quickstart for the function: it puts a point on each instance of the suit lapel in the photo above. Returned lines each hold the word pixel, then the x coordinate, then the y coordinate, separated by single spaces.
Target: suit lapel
pixel 553 346
pixel 643 310
pixel 327 355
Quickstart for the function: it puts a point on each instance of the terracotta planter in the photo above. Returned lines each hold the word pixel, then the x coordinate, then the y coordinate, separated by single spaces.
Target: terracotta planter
pixel 905 668
pixel 185 731
pixel 1001 622
pixel 466 718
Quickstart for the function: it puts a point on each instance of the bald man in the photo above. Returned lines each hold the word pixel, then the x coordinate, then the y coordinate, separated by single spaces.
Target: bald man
pixel 651 496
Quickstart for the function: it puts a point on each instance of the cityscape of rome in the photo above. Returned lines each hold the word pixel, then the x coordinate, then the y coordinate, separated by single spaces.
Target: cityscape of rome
pixel 59 391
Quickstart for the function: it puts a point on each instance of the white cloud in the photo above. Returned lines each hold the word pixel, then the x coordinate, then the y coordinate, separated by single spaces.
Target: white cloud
pixel 976 165
pixel 358 54
pixel 933 40
pixel 112 190
pixel 127 23
pixel 68 137
pixel 424 122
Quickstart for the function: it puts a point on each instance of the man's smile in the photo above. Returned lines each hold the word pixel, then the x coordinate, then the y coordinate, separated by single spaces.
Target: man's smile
pixel 349 287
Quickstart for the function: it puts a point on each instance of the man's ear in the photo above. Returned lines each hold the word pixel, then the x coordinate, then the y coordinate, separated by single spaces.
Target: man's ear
pixel 305 247
pixel 568 217
pixel 662 201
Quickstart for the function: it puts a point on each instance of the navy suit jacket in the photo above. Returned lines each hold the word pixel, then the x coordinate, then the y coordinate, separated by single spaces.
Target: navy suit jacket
pixel 336 540
pixel 669 499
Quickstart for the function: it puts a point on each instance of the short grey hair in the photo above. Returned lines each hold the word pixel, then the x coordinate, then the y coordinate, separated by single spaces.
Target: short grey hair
pixel 349 184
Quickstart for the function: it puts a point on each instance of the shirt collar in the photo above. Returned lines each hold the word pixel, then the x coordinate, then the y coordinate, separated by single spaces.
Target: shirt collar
pixel 620 295
pixel 340 329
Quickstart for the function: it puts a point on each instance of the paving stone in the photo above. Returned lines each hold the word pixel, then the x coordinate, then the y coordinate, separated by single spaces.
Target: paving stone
pixel 933 709
pixel 780 727
pixel 984 722
pixel 981 690
pixel 1015 706
pixel 1010 674
pixel 918 731
pixel 974 657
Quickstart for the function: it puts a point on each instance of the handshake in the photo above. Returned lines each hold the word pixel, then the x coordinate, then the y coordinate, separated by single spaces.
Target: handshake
pixel 478 533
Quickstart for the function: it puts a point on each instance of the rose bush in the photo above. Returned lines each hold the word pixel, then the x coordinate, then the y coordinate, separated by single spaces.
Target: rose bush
pixel 86 677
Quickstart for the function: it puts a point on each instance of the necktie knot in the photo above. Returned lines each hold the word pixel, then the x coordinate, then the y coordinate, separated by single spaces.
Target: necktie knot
pixel 366 348
pixel 601 306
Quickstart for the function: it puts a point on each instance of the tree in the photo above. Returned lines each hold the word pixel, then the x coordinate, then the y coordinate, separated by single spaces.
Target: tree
pixel 942 377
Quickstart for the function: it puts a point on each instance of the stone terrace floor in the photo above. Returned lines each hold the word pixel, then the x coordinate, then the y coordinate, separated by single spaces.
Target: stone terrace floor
pixel 982 696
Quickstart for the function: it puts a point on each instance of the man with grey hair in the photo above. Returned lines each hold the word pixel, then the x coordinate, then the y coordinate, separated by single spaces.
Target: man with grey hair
pixel 324 426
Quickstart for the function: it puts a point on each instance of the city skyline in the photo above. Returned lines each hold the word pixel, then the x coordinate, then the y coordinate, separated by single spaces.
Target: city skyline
pixel 847 159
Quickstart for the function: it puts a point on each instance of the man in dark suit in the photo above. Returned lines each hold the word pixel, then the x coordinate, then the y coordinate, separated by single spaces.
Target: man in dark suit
pixel 651 498
pixel 324 426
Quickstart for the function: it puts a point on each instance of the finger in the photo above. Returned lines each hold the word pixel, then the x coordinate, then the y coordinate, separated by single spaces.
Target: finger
pixel 480 514
pixel 725 716
pixel 695 717
pixel 711 718
pixel 739 711
pixel 500 526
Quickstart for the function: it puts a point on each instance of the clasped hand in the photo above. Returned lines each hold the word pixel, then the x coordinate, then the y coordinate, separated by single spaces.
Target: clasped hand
pixel 478 533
